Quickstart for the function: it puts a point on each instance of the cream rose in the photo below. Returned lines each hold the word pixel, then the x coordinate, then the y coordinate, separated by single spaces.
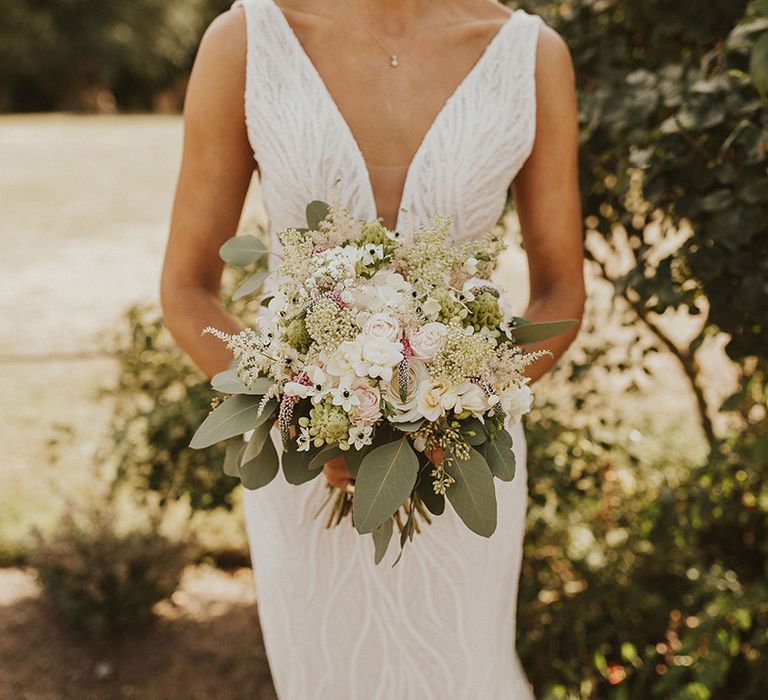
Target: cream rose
pixel 405 409
pixel 381 325
pixel 430 400
pixel 428 340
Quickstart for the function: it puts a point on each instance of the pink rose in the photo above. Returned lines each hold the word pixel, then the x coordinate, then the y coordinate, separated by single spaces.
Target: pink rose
pixel 369 408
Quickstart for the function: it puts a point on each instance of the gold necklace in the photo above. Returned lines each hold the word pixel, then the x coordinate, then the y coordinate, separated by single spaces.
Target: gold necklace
pixel 393 56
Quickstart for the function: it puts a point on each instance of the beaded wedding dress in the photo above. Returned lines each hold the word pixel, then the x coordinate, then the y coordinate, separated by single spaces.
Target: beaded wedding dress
pixel 440 624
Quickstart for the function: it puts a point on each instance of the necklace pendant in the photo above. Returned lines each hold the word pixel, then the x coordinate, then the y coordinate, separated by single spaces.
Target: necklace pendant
pixel 393 60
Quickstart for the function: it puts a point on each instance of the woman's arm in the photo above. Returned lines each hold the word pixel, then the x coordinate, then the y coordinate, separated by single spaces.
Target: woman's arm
pixel 216 169
pixel 547 200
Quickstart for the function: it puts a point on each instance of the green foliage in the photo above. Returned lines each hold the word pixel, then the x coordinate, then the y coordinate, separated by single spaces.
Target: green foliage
pixel 51 52
pixel 645 575
pixel 643 578
pixel 674 138
pixel 102 580
pixel 473 495
pixel 160 399
pixel 385 479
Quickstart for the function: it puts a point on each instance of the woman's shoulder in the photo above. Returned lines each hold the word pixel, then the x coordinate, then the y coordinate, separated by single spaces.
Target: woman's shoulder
pixel 553 56
pixel 226 34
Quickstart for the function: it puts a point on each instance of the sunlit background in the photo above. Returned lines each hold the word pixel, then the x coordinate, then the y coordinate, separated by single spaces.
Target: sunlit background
pixel 123 560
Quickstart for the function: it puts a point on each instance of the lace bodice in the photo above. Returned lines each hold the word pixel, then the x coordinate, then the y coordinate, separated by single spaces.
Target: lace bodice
pixel 463 166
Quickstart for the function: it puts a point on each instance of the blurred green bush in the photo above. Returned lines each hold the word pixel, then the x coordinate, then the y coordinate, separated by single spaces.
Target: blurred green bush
pixel 103 578
pixel 85 54
pixel 645 574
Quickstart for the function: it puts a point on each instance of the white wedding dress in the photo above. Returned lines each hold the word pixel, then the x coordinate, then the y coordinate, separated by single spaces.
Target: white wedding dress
pixel 440 624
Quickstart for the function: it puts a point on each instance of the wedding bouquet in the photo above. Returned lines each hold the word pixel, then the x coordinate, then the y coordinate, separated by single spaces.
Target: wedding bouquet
pixel 396 352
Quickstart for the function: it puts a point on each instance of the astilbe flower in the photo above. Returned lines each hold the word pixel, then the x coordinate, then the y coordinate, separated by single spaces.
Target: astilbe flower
pixel 510 361
pixel 338 227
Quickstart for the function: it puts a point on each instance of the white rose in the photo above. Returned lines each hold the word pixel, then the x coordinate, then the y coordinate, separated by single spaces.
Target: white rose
pixel 428 340
pixel 470 397
pixel 516 401
pixel 430 400
pixel 345 359
pixel 405 408
pixel 389 289
pixel 379 356
pixel 431 308
pixel 470 266
pixel 383 325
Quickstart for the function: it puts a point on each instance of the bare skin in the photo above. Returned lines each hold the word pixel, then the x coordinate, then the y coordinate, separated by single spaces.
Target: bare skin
pixel 218 163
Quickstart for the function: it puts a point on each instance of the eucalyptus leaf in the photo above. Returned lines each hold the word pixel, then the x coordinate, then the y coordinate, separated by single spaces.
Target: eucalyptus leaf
pixel 353 458
pixel 404 534
pixel 411 427
pixel 325 455
pixel 434 502
pixel 254 446
pixel 262 469
pixel 227 382
pixel 382 536
pixel 234 452
pixel 385 479
pixel 316 212
pixel 534 332
pixel 233 416
pixel 251 285
pixel 473 495
pixel 473 431
pixel 296 466
pixel 242 250
pixel 499 455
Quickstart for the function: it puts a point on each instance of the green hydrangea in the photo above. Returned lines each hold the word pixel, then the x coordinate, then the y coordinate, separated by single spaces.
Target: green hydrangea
pixel 450 307
pixel 374 232
pixel 484 310
pixel 297 336
pixel 328 424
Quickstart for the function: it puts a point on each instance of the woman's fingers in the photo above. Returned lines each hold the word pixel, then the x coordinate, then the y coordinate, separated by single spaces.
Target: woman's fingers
pixel 336 473
pixel 435 455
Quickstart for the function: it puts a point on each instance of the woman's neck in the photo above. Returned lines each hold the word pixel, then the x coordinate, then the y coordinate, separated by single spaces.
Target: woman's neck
pixel 390 17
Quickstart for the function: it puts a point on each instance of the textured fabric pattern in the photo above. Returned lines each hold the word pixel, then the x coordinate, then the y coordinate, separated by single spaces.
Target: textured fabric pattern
pixel 441 624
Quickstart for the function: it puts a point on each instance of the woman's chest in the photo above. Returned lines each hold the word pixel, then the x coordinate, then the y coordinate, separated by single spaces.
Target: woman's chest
pixel 425 143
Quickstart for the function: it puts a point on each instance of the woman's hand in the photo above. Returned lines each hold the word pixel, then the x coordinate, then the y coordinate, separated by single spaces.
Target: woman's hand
pixel 336 473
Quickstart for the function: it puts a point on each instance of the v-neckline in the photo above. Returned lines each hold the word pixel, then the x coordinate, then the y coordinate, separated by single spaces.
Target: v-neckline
pixel 439 116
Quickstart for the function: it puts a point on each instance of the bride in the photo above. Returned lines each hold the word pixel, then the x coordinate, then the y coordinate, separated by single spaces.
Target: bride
pixel 416 107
